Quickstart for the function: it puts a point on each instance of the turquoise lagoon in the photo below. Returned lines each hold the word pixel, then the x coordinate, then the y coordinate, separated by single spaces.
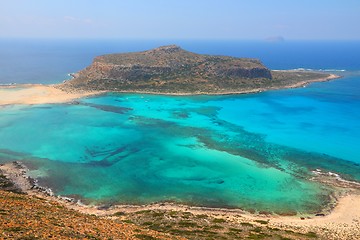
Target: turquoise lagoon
pixel 253 151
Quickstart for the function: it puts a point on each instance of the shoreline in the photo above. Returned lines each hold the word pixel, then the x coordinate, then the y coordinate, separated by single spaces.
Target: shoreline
pixel 330 77
pixel 32 94
pixel 342 219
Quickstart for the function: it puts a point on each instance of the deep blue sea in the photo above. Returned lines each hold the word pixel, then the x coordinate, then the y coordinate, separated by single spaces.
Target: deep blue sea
pixel 49 61
pixel 253 151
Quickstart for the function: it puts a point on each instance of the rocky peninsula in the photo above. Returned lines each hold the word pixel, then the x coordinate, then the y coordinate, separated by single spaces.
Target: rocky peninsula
pixel 166 70
pixel 173 70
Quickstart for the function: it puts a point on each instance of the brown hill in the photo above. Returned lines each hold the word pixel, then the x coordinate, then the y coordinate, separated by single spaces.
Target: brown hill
pixel 170 69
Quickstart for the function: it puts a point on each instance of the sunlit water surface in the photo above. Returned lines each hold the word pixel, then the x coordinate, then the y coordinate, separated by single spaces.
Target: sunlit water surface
pixel 252 151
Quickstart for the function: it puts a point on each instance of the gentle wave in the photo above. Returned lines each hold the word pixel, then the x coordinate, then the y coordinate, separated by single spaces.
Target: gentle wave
pixel 334 175
pixel 8 84
pixel 318 70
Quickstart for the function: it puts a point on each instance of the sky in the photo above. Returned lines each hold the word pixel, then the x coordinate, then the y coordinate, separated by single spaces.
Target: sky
pixel 181 19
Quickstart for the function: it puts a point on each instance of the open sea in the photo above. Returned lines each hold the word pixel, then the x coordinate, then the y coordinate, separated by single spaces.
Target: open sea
pixel 252 151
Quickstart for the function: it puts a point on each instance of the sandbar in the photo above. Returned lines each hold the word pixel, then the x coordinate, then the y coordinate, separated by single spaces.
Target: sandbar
pixel 38 94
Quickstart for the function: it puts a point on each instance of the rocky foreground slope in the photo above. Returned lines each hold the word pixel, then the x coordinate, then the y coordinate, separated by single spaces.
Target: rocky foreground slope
pixel 170 69
pixel 27 212
pixel 32 217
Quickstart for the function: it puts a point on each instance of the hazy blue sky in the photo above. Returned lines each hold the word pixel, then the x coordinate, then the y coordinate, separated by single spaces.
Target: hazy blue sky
pixel 185 19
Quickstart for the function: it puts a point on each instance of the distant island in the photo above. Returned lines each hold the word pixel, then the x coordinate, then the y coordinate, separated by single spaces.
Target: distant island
pixel 165 70
pixel 172 70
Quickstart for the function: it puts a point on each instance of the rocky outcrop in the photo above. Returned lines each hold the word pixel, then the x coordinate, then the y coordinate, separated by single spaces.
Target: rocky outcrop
pixel 168 69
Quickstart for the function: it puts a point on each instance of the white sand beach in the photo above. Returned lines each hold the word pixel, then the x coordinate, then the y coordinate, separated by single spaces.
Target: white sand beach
pixel 37 94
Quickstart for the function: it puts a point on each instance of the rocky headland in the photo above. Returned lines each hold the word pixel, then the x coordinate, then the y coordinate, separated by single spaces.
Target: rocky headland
pixel 165 70
pixel 173 70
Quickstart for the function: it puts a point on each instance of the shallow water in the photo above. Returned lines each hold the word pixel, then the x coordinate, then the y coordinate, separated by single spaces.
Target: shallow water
pixel 253 151
pixel 250 151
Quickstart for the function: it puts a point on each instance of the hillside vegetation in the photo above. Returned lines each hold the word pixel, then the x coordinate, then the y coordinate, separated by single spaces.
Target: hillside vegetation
pixel 170 69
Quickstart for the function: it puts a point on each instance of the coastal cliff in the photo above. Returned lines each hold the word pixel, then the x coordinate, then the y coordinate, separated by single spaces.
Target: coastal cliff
pixel 168 69
pixel 172 70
